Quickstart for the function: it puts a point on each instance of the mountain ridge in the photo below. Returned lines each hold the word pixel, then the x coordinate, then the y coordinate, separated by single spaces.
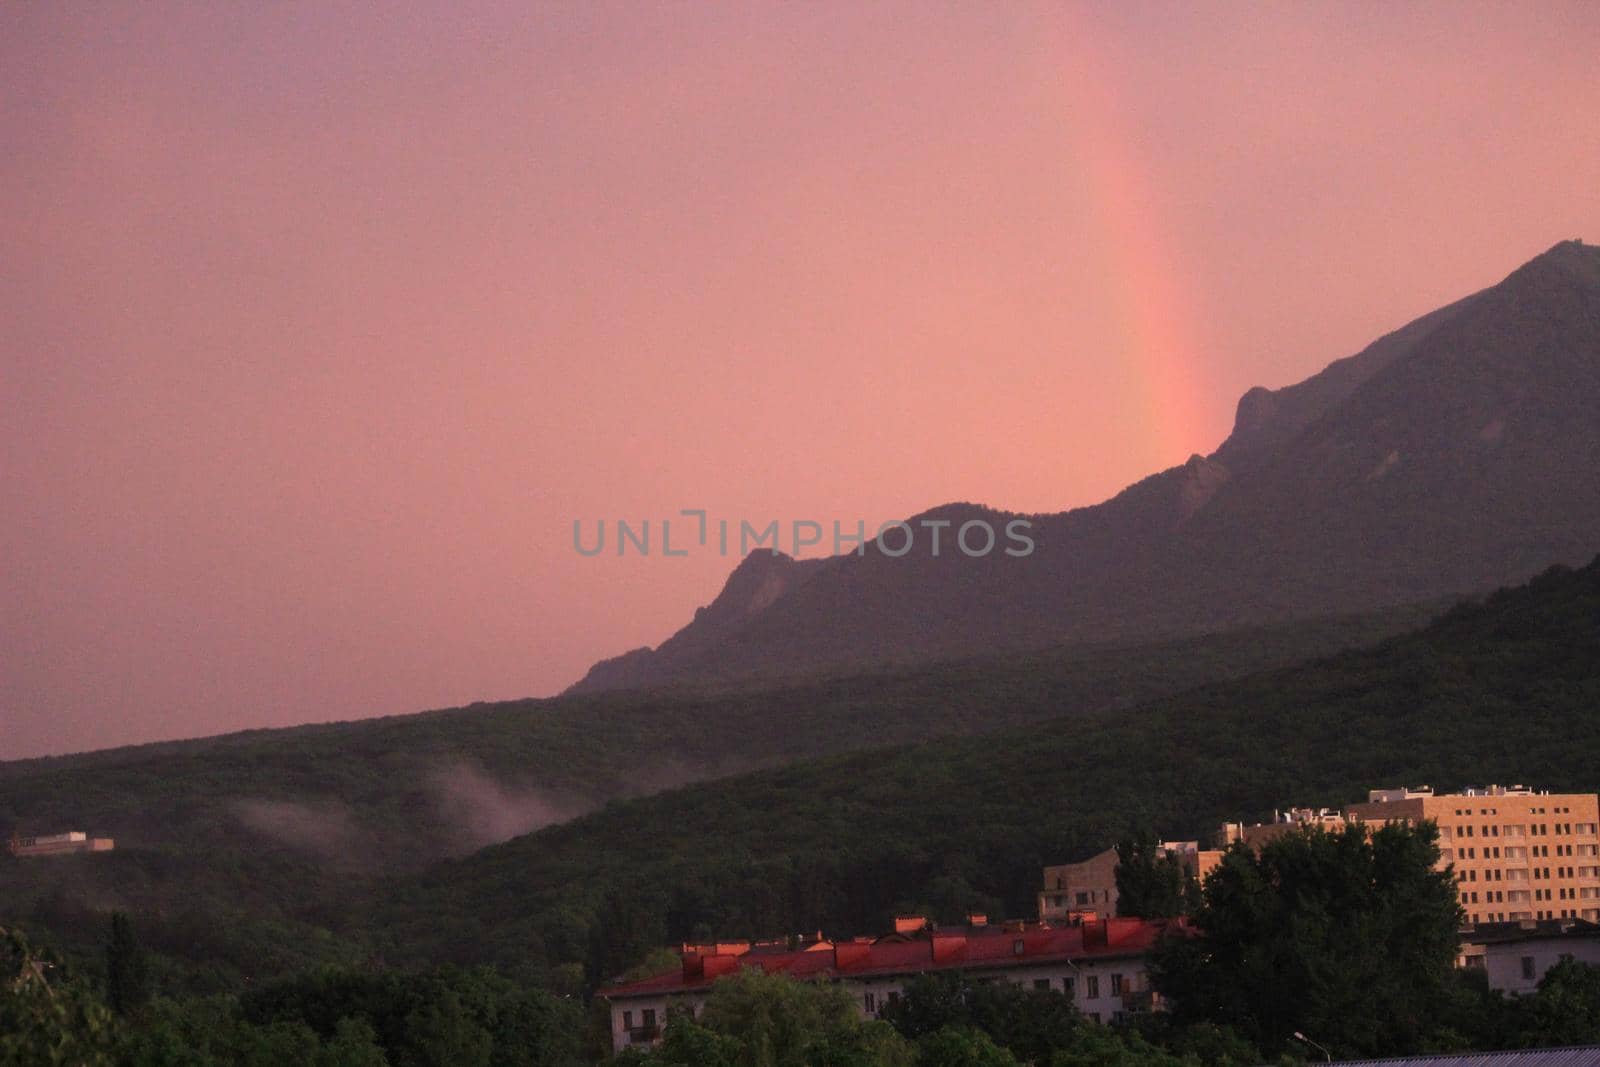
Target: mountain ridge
pixel 1449 456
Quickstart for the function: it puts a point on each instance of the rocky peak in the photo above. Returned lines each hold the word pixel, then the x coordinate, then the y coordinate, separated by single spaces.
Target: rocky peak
pixel 1202 477
pixel 1570 264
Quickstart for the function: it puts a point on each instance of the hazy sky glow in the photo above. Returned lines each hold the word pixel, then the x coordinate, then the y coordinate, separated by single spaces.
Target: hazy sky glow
pixel 322 323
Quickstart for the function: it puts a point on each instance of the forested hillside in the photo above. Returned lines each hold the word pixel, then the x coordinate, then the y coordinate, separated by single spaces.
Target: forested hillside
pixel 245 853
pixel 1508 690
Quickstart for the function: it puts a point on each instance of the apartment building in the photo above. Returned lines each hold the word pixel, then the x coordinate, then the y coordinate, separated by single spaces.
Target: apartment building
pixel 1518 854
pixel 1099 964
pixel 1085 889
pixel 1283 822
pixel 1088 889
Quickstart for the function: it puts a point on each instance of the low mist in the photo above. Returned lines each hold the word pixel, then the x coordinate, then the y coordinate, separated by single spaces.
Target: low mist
pixel 325 829
pixel 484 811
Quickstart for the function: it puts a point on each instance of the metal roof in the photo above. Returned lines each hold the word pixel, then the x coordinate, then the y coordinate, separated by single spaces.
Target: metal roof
pixel 1573 1056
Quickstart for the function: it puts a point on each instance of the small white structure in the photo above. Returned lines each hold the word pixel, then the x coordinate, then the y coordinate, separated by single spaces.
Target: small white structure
pixel 1515 956
pixel 59 844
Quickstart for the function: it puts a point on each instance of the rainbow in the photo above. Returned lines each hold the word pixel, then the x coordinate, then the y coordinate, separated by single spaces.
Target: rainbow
pixel 1154 298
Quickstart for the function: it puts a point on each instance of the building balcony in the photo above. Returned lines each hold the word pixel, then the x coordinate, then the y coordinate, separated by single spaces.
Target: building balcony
pixel 644 1035
pixel 1135 1000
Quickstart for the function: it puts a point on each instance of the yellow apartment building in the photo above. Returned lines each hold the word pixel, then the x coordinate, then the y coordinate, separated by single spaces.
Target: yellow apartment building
pixel 1518 854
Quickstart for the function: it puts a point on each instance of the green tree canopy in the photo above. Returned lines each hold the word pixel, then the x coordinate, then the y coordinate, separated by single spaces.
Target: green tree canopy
pixel 955 1046
pixel 127 968
pixel 753 1019
pixel 1565 1011
pixel 1349 937
pixel 47 1017
pixel 1152 883
pixel 1028 1022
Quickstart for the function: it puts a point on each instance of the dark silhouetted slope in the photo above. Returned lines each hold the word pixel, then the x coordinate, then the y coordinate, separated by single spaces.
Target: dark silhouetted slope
pixel 1454 455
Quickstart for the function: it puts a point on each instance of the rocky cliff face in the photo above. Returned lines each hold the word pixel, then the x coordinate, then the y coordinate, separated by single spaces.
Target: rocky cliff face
pixel 1458 453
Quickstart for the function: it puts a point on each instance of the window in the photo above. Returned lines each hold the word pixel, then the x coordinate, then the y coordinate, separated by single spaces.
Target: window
pixel 1094 1016
pixel 1527 967
pixel 1116 985
pixel 1091 987
pixel 1068 986
pixel 649 1018
pixel 870 1002
pixel 627 1020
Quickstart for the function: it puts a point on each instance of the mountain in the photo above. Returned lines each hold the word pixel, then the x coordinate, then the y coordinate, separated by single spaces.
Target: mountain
pixel 1499 691
pixel 1454 455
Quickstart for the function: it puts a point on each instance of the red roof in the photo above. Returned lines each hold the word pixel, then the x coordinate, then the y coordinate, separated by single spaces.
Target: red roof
pixel 969 949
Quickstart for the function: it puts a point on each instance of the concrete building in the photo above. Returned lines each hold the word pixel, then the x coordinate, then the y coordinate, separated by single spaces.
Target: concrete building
pixel 1085 889
pixel 1283 822
pixel 1518 854
pixel 1088 889
pixel 1515 956
pixel 1100 964
pixel 1571 1056
pixel 59 844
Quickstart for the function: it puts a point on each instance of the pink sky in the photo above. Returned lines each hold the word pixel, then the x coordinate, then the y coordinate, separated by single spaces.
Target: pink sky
pixel 321 325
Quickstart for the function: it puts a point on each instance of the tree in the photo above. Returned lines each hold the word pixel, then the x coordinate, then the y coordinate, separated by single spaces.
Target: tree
pixel 753 1019
pixel 1215 1046
pixel 1101 1047
pixel 447 1015
pixel 1028 1022
pixel 1565 1011
pixel 354 1044
pixel 47 1017
pixel 625 929
pixel 1347 936
pixel 955 1046
pixel 443 1033
pixel 127 968
pixel 1152 883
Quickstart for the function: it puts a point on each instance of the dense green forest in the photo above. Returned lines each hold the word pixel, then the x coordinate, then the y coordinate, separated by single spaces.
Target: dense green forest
pixel 245 855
